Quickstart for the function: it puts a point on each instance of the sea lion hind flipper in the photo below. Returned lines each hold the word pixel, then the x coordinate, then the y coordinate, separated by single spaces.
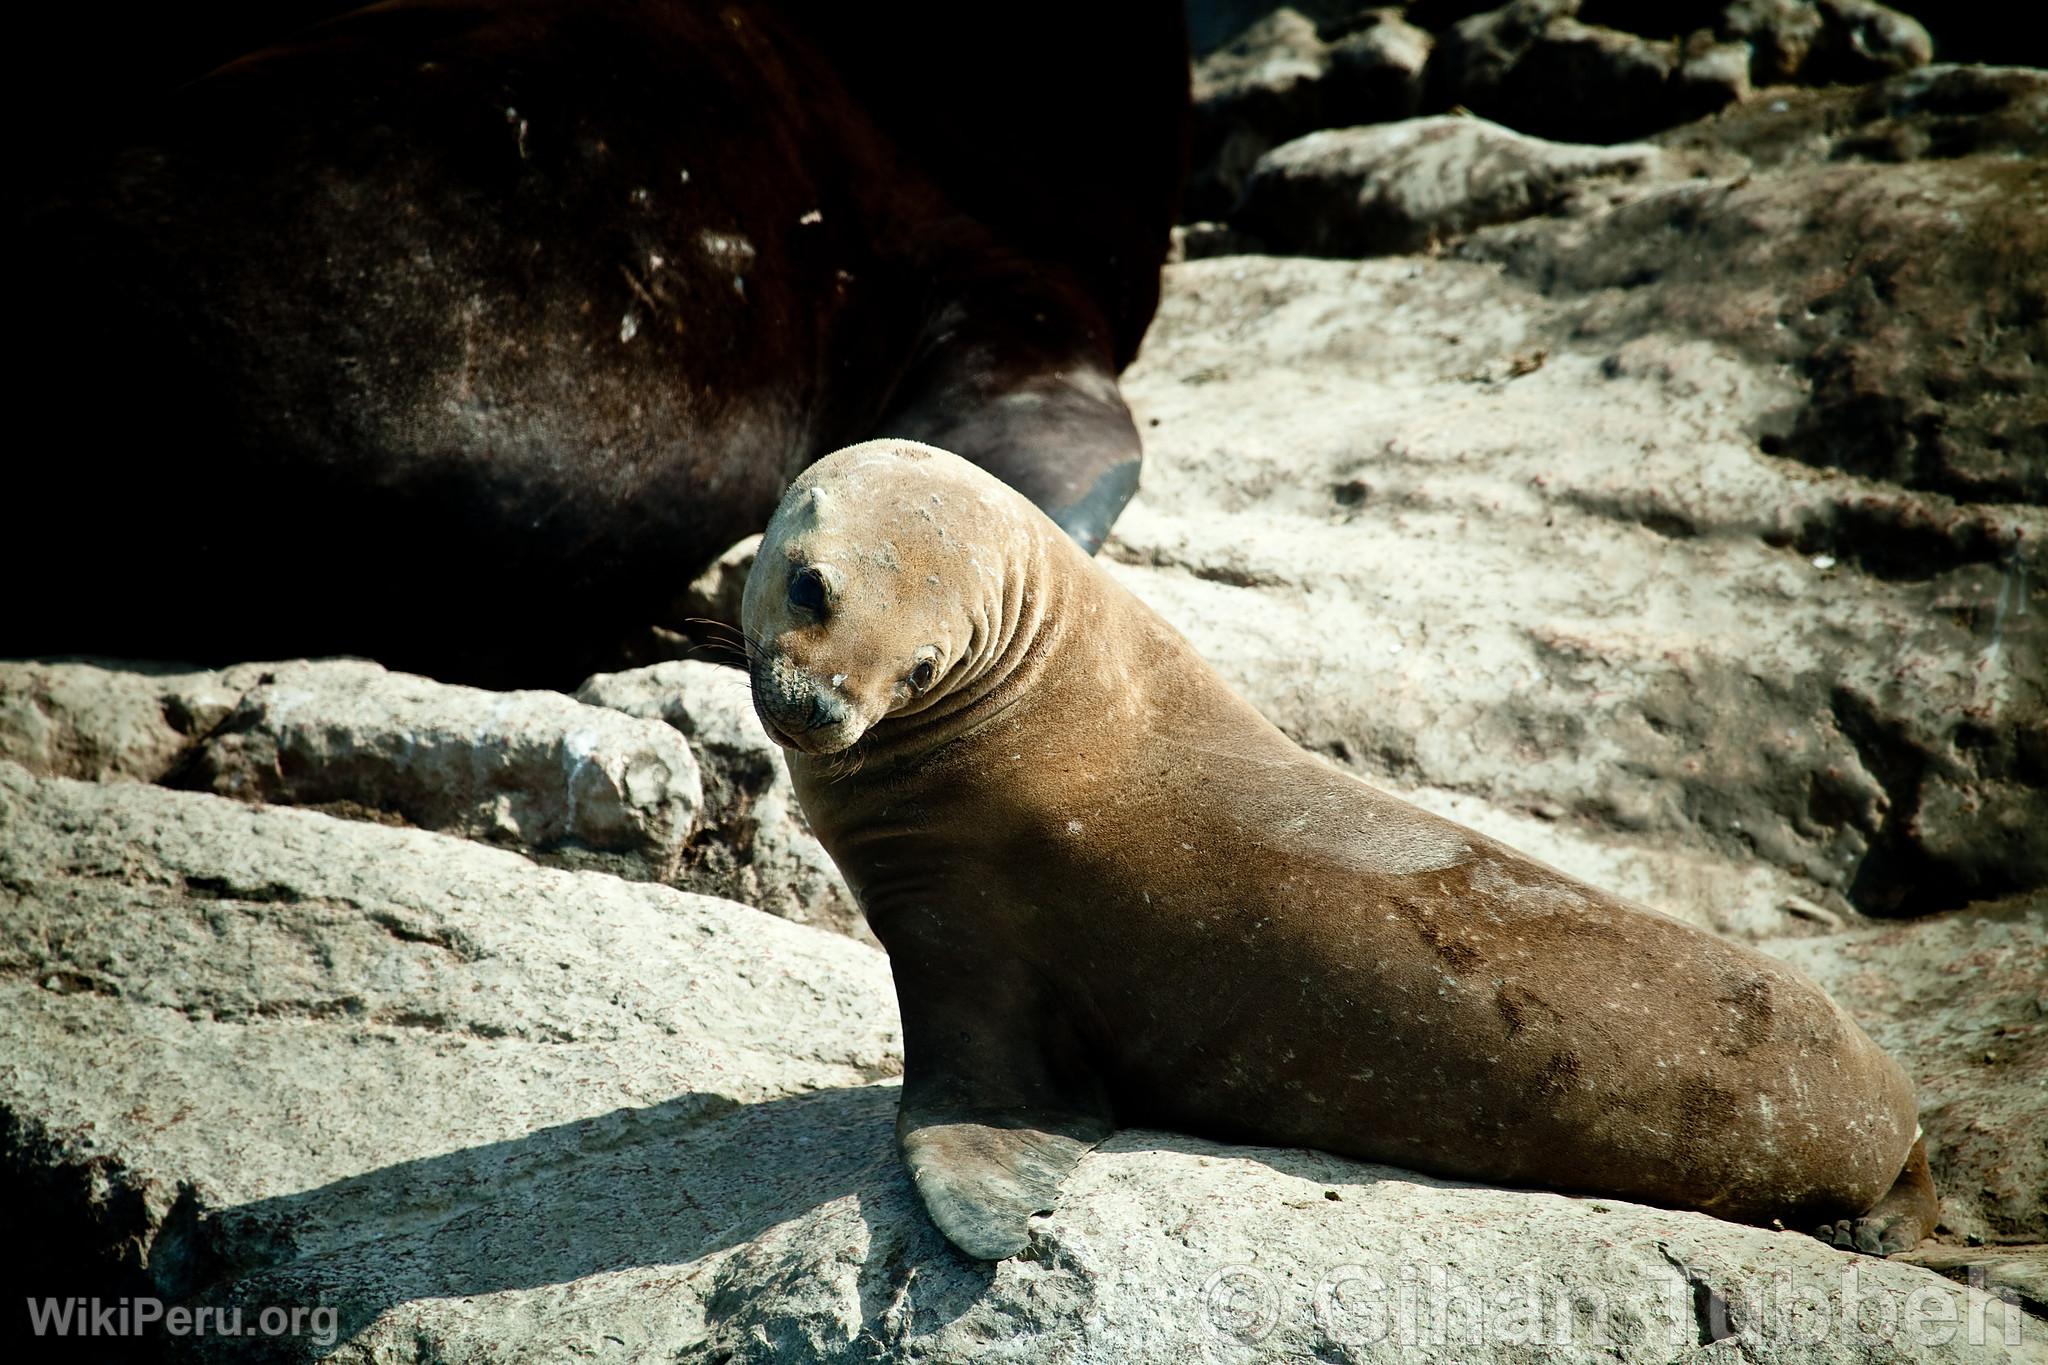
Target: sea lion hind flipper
pixel 1900 1221
pixel 983 1175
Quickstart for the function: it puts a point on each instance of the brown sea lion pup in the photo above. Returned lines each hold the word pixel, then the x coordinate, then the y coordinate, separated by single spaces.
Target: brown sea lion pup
pixel 1114 894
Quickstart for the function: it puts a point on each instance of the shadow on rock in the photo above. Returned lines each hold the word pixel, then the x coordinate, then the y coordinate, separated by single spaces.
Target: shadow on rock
pixel 809 1183
pixel 634 1188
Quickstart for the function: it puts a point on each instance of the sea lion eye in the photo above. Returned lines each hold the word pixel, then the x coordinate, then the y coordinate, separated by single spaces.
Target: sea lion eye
pixel 807 591
pixel 924 674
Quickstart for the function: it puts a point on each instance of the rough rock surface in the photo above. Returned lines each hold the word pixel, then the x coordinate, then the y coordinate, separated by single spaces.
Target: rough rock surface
pixel 1748 463
pixel 529 770
pixel 1410 186
pixel 133 722
pixel 1598 71
pixel 1554 67
pixel 1259 91
pixel 756 847
pixel 1283 77
pixel 573 783
pixel 208 1005
pixel 714 595
pixel 1376 69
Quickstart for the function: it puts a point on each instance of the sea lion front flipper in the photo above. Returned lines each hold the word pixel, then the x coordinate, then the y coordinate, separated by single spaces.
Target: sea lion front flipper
pixel 999 1100
pixel 983 1177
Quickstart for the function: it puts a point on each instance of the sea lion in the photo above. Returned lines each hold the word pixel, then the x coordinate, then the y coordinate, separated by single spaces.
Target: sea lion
pixel 464 334
pixel 1114 894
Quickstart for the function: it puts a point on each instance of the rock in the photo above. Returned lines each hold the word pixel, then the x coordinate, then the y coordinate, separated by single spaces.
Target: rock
pixel 1863 41
pixel 1919 359
pixel 1213 24
pixel 1415 185
pixel 1343 1262
pixel 1200 241
pixel 1557 69
pixel 1581 83
pixel 1254 93
pixel 530 770
pixel 1377 70
pixel 1280 78
pixel 218 1021
pixel 1813 42
pixel 714 595
pixel 1745 636
pixel 471 1108
pixel 576 785
pixel 1781 35
pixel 1598 71
pixel 1655 536
pixel 1534 67
pixel 1475 55
pixel 2022 1270
pixel 1711 75
pixel 754 846
pixel 106 721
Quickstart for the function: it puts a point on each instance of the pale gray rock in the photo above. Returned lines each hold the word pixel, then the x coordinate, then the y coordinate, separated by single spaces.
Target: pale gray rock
pixel 1638 545
pixel 785 1231
pixel 755 846
pixel 1284 76
pixel 1533 534
pixel 1535 67
pixel 1630 71
pixel 1276 55
pixel 1710 75
pixel 108 721
pixel 2021 1270
pixel 217 1021
pixel 529 770
pixel 1200 241
pixel 1417 184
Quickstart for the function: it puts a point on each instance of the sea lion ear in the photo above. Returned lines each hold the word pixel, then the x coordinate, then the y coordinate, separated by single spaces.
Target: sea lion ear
pixel 982 1176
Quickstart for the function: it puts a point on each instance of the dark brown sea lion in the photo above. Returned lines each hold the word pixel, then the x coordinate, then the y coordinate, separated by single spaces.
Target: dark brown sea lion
pixel 463 334
pixel 1114 894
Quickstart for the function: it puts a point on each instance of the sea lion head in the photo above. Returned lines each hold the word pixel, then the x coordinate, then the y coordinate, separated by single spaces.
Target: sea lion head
pixel 878 592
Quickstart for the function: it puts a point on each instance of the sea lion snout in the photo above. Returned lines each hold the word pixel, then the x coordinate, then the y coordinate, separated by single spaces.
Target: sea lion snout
pixel 801 710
